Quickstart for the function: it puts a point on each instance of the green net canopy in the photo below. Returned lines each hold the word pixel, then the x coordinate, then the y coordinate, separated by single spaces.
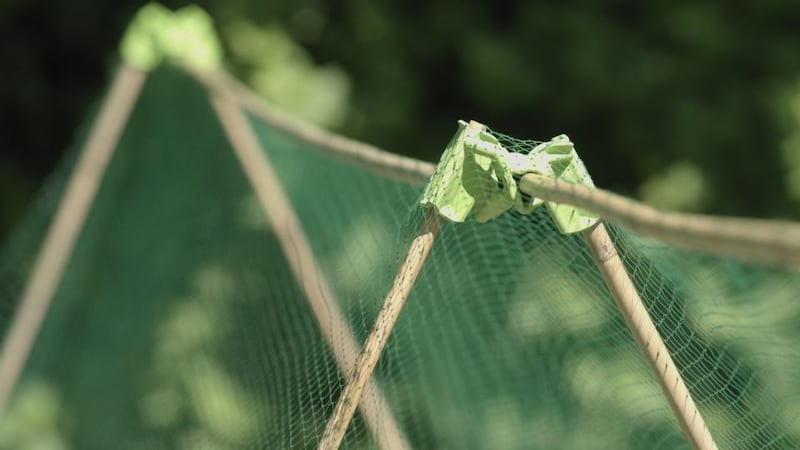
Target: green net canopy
pixel 180 322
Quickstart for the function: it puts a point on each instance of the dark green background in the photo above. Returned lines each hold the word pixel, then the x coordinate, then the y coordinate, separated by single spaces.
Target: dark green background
pixel 637 85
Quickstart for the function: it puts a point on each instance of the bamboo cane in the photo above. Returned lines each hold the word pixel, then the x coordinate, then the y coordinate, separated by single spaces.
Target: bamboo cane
pixel 647 337
pixel 66 226
pixel 387 317
pixel 296 247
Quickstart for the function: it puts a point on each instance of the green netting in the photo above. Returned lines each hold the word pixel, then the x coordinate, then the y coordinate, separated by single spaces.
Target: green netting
pixel 179 324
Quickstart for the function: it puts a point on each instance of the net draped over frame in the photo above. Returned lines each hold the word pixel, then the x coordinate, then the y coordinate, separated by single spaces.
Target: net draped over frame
pixel 179 325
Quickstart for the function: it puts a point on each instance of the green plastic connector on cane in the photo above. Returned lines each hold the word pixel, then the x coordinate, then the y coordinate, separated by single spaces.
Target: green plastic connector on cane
pixel 185 36
pixel 557 158
pixel 465 182
pixel 477 176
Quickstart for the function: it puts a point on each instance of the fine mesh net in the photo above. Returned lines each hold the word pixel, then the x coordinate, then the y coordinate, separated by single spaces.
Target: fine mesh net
pixel 180 324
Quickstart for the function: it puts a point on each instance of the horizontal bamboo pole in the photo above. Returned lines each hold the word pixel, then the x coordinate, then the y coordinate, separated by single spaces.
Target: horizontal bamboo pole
pixel 760 241
pixel 378 161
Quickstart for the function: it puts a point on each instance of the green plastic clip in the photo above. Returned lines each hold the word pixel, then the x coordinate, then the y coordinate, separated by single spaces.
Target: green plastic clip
pixel 185 36
pixel 477 176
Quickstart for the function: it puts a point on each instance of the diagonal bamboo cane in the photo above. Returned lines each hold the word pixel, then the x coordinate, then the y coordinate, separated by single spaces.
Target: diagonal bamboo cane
pixel 66 226
pixel 647 337
pixel 298 252
pixel 403 283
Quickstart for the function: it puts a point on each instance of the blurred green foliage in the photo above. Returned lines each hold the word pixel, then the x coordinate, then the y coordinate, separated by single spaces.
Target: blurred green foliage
pixel 685 104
